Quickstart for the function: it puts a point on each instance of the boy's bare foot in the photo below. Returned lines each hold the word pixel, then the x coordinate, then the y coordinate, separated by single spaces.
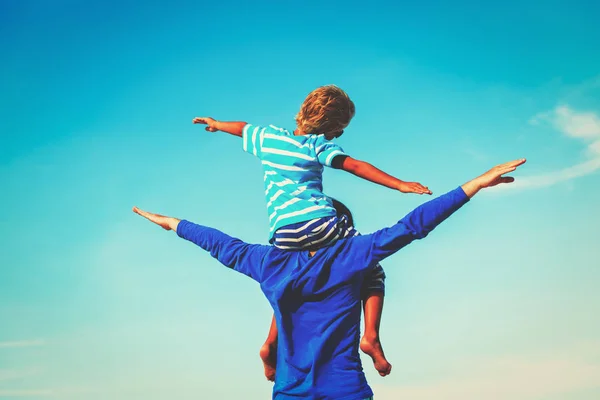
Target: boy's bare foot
pixel 372 347
pixel 268 355
pixel 167 223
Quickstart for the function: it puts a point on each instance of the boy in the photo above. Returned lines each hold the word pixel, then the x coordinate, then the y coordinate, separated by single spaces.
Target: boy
pixel 301 217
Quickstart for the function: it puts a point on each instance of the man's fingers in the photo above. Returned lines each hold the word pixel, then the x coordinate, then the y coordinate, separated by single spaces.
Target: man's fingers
pixel 505 170
pixel 521 161
pixel 508 167
pixel 514 163
pixel 503 179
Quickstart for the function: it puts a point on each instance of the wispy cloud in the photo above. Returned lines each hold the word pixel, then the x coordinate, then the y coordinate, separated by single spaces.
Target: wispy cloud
pixel 58 393
pixel 565 174
pixel 13 374
pixel 22 343
pixel 583 126
pixel 25 393
pixel 506 378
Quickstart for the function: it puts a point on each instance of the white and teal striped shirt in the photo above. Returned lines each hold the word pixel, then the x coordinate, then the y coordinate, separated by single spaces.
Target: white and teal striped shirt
pixel 293 173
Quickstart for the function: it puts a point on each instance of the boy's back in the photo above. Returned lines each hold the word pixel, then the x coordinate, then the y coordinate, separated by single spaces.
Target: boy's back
pixel 293 170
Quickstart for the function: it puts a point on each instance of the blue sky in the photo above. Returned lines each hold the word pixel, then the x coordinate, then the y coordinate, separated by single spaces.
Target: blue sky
pixel 95 117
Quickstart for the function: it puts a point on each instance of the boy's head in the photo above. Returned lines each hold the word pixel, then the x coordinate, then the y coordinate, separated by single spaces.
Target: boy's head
pixel 326 110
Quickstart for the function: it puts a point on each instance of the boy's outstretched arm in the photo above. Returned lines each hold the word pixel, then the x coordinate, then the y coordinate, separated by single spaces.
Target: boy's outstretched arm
pixel 371 173
pixel 212 125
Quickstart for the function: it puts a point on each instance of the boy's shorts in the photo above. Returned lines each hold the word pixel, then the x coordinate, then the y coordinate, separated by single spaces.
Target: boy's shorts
pixel 321 232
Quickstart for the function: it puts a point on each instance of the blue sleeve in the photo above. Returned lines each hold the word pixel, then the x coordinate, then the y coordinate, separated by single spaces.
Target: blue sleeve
pixel 327 151
pixel 416 225
pixel 231 252
pixel 252 138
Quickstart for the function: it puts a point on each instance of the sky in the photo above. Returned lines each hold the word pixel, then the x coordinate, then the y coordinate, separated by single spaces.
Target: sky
pixel 96 104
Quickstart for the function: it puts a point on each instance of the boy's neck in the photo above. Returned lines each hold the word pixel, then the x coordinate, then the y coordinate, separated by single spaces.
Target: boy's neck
pixel 298 132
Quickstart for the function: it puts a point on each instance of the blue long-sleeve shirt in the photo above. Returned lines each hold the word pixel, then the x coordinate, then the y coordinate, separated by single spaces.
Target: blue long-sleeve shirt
pixel 316 299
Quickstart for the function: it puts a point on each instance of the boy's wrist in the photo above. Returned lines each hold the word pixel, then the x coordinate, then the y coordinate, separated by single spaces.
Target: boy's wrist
pixel 399 185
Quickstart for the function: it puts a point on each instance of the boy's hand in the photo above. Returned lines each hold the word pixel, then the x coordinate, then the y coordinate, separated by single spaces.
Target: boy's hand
pixel 413 187
pixel 210 122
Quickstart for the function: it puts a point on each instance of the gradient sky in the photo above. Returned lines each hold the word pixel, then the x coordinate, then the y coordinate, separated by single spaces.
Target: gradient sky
pixel 501 302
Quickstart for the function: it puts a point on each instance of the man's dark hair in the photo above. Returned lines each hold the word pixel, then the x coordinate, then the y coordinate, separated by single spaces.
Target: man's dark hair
pixel 341 209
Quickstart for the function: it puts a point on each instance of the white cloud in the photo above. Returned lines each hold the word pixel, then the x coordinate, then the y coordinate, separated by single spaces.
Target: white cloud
pixel 576 124
pixel 594 148
pixel 503 378
pixel 570 122
pixel 22 343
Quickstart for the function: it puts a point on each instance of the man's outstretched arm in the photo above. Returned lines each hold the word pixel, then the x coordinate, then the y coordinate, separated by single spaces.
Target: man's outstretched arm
pixel 422 220
pixel 231 252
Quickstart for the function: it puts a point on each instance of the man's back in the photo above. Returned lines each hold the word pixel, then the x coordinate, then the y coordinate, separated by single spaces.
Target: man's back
pixel 317 304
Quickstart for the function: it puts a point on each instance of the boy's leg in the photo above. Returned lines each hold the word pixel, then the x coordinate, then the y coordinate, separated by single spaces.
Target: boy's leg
pixel 307 235
pixel 268 352
pixel 167 223
pixel 370 343
pixel 372 294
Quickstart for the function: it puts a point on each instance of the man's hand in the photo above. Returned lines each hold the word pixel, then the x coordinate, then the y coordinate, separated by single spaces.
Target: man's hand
pixel 211 124
pixel 493 177
pixel 413 187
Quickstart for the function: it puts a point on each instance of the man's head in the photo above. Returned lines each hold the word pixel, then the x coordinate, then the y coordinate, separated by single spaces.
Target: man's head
pixel 341 209
pixel 326 110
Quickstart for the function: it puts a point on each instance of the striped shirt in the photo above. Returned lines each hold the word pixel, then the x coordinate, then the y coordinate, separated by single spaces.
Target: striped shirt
pixel 293 173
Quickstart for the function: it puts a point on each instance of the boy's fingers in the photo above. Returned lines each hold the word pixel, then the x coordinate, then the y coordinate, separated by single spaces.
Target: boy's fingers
pixel 424 189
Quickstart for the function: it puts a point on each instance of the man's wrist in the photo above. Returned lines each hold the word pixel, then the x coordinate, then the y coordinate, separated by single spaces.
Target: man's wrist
pixel 472 187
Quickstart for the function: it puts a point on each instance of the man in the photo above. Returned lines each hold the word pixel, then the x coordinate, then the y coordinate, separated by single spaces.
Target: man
pixel 316 295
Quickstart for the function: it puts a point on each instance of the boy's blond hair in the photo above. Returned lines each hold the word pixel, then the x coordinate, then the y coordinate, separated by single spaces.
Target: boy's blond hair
pixel 326 110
